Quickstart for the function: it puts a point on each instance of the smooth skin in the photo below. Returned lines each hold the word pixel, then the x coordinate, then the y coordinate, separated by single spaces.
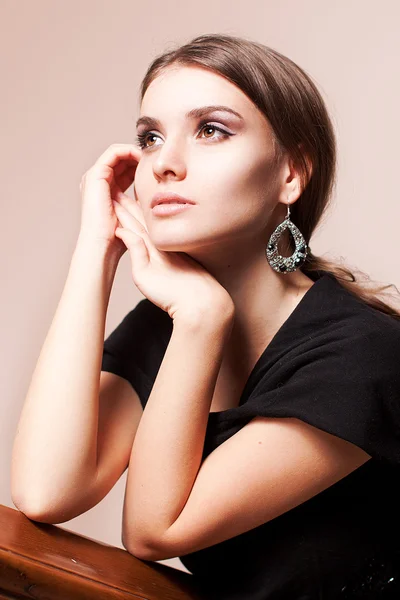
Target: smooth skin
pixel 86 418
pixel 240 200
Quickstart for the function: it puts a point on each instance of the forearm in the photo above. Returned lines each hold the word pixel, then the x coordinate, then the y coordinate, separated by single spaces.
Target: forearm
pixel 55 446
pixel 168 446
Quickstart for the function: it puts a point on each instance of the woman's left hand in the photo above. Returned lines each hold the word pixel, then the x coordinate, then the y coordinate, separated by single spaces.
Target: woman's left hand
pixel 172 280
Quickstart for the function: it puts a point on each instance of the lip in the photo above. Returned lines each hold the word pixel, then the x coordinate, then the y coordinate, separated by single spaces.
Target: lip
pixel 166 209
pixel 168 197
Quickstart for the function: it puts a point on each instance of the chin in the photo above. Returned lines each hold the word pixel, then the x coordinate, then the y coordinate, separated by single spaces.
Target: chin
pixel 171 246
pixel 176 241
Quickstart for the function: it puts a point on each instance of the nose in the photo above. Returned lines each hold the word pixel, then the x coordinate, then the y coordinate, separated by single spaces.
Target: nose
pixel 170 161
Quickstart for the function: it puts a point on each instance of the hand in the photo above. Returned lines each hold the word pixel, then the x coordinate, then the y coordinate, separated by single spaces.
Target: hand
pixel 172 280
pixel 109 177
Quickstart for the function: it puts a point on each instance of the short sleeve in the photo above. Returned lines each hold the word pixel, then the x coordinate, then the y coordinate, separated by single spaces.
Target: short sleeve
pixel 345 381
pixel 135 348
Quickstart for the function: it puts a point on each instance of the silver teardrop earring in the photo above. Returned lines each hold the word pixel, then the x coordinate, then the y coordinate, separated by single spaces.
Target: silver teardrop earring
pixel 286 264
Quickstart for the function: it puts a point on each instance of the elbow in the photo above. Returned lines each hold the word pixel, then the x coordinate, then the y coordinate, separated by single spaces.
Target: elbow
pixel 35 511
pixel 138 550
pixel 31 511
pixel 27 502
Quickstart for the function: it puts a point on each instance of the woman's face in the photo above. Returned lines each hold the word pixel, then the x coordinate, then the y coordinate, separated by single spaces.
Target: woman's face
pixel 229 174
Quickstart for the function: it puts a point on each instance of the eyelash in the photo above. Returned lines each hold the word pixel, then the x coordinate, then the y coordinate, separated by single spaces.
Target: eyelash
pixel 140 138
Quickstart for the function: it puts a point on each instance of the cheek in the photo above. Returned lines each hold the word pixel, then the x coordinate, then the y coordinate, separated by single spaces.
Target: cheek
pixel 241 190
pixel 255 180
pixel 236 176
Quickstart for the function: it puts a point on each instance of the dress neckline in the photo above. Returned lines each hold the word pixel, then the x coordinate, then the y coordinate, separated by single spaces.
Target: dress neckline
pixel 325 278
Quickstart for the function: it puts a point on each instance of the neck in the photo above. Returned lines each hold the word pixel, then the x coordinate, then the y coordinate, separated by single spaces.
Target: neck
pixel 262 297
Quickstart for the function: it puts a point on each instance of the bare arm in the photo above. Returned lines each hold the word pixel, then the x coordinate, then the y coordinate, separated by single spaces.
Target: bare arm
pixel 161 475
pixel 55 447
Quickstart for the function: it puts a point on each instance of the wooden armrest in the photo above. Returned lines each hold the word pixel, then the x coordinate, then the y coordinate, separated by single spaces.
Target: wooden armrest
pixel 38 560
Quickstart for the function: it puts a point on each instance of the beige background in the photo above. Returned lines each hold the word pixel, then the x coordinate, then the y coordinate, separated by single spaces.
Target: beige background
pixel 70 73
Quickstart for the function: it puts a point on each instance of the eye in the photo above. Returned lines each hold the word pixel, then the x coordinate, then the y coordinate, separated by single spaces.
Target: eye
pixel 211 126
pixel 141 137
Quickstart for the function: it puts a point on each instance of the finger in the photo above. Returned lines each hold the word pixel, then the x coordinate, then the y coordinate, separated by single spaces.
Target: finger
pixel 128 221
pixel 137 249
pixel 124 175
pixel 129 153
pixel 125 203
pixel 121 167
pixel 125 179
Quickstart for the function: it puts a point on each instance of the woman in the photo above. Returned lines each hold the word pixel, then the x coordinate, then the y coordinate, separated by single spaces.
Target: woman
pixel 268 451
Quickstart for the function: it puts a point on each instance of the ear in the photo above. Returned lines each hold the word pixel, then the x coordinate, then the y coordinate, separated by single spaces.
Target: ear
pixel 308 161
pixel 294 186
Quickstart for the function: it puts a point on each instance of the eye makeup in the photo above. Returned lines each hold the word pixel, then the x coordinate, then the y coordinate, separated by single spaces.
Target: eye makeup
pixel 194 113
pixel 141 136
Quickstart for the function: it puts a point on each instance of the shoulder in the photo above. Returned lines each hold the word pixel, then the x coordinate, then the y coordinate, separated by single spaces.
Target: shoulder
pixel 344 319
pixel 358 355
pixel 370 333
pixel 336 367
pixel 337 343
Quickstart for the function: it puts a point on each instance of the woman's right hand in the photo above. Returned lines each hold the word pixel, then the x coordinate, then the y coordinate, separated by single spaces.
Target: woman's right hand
pixel 109 177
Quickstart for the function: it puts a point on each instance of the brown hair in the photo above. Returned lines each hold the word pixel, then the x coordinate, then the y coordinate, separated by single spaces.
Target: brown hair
pixel 295 109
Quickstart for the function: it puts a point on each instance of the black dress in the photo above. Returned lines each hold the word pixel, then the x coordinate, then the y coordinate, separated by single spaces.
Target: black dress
pixel 334 363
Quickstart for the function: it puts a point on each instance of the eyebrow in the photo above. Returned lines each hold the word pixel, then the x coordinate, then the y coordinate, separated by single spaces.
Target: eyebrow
pixel 195 113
